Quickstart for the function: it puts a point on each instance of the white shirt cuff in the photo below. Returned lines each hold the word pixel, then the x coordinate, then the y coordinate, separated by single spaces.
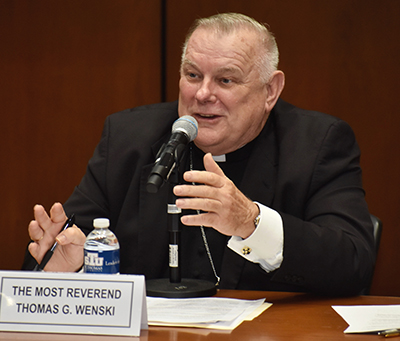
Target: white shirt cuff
pixel 265 244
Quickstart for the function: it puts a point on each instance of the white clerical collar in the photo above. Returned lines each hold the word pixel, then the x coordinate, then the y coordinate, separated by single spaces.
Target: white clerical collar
pixel 219 158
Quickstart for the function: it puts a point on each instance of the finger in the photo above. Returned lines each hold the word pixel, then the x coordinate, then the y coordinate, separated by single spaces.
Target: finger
pixel 40 244
pixel 200 191
pixel 57 214
pixel 43 229
pixel 213 176
pixel 34 230
pixel 34 250
pixel 41 216
pixel 204 219
pixel 203 177
pixel 206 204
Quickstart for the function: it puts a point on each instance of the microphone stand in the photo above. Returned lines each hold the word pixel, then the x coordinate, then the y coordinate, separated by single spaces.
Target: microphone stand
pixel 175 286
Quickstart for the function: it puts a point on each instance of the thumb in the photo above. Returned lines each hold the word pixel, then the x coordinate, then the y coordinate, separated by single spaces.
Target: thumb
pixel 211 166
pixel 72 235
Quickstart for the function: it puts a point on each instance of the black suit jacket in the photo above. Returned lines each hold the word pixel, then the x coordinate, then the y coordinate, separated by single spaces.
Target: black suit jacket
pixel 304 164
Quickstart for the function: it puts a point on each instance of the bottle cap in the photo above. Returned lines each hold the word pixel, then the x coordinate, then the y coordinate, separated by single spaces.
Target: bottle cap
pixel 101 223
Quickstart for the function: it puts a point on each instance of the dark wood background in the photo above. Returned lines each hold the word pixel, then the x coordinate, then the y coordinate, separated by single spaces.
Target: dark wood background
pixel 66 65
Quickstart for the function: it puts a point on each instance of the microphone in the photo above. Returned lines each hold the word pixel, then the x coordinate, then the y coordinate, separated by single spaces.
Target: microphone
pixel 184 130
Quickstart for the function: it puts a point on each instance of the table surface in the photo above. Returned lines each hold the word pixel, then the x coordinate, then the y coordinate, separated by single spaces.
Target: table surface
pixel 293 316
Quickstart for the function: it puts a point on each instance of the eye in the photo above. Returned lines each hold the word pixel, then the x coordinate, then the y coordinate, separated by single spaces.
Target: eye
pixel 192 76
pixel 226 80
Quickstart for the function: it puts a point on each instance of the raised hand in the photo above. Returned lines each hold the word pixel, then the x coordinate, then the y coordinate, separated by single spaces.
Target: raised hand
pixel 44 230
pixel 225 208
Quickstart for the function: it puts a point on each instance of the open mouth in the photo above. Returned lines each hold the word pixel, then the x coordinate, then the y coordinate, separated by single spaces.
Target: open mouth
pixel 206 116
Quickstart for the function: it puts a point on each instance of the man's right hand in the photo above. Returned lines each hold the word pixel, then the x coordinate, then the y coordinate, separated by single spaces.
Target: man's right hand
pixel 45 230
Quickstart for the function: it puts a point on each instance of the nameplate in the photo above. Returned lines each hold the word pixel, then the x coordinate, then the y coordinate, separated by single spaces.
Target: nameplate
pixel 72 303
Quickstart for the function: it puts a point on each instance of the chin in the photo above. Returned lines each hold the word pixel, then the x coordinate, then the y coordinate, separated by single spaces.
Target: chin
pixel 214 150
pixel 206 148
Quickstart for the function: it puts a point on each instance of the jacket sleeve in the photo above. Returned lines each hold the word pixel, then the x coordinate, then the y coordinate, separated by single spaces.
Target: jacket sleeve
pixel 329 248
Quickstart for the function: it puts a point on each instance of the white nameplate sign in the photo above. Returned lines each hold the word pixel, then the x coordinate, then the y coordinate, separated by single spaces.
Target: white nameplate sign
pixel 72 303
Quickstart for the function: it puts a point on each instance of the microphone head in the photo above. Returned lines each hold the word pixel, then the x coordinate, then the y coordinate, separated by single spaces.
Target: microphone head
pixel 187 125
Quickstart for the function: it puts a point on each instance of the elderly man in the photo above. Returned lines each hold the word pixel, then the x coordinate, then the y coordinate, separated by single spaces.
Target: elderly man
pixel 277 189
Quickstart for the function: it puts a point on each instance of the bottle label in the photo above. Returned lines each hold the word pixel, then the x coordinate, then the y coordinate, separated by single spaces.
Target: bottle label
pixel 106 262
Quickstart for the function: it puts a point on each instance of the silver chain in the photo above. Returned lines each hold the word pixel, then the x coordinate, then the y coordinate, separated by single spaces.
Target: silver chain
pixel 203 233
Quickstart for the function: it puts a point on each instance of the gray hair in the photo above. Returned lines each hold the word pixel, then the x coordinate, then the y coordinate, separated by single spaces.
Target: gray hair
pixel 227 23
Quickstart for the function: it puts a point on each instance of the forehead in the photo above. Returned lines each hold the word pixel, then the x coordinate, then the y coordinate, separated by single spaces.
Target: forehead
pixel 239 47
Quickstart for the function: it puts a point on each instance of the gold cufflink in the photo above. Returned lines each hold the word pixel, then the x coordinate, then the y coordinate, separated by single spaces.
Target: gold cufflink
pixel 246 250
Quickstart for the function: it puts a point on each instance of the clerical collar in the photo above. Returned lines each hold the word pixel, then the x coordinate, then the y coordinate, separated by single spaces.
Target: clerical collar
pixel 219 158
pixel 240 154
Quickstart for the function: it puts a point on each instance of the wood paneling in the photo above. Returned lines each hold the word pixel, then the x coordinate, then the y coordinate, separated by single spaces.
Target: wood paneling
pixel 339 57
pixel 65 66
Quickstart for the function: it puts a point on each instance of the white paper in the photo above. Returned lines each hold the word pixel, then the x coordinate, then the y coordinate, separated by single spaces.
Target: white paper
pixel 369 318
pixel 203 312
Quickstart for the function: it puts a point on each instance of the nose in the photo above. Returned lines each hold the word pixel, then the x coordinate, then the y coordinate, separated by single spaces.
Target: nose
pixel 205 92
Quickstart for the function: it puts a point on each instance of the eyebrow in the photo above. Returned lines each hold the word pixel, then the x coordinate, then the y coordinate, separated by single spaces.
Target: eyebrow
pixel 220 70
pixel 229 69
pixel 189 62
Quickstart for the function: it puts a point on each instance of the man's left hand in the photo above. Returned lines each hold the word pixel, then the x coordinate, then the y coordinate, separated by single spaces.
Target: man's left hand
pixel 223 206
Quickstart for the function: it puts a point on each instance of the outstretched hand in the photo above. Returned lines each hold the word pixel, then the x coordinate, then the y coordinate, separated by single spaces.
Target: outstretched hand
pixel 45 230
pixel 225 208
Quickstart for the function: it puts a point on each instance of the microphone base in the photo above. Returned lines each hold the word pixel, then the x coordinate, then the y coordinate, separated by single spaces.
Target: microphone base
pixel 187 288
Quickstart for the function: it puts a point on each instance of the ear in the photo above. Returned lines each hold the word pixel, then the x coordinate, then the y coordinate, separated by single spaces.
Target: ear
pixel 274 89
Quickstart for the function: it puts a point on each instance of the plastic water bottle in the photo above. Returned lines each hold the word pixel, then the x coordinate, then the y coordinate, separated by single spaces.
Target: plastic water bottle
pixel 101 249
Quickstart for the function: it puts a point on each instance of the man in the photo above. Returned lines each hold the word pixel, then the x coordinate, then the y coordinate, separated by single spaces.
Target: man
pixel 281 208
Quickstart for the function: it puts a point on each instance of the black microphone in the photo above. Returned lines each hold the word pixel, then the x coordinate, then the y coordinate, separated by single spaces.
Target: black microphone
pixel 184 130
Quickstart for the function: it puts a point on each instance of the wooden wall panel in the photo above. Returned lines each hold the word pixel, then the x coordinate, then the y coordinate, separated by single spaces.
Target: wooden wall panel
pixel 65 66
pixel 339 57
